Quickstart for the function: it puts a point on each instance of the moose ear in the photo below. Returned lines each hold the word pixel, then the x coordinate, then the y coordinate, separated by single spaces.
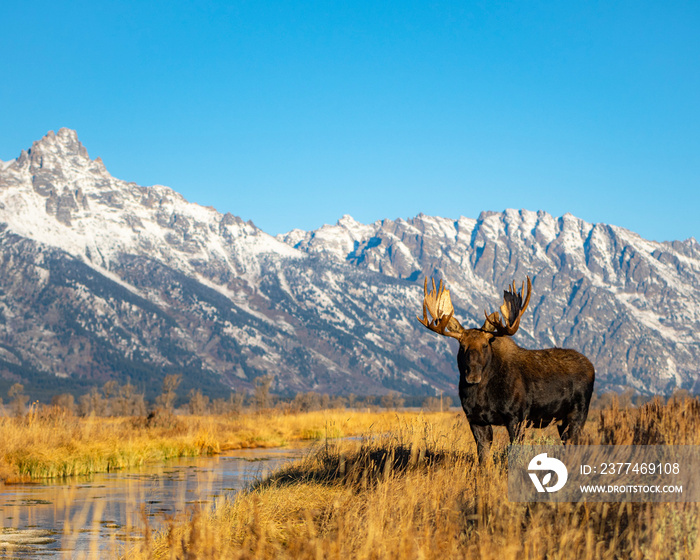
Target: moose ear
pixel 492 319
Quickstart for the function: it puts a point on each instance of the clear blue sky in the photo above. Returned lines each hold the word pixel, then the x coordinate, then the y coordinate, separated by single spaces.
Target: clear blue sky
pixel 294 113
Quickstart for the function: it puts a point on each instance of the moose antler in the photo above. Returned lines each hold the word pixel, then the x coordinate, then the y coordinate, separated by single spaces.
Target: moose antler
pixel 439 305
pixel 512 310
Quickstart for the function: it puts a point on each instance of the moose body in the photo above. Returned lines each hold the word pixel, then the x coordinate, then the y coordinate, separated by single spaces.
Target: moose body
pixel 502 384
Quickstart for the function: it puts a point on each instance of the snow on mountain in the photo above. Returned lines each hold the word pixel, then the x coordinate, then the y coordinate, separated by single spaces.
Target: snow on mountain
pixel 98 216
pixel 102 278
pixel 630 304
pixel 336 240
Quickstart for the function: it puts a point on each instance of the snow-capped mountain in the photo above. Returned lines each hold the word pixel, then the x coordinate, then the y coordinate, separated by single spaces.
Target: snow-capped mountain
pixel 103 279
pixel 631 305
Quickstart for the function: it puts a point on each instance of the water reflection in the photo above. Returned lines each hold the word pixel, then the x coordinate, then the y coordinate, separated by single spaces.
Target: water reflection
pixel 93 516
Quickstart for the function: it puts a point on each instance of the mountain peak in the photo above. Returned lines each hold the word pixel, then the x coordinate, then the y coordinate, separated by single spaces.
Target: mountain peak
pixel 64 143
pixel 65 134
pixel 348 221
pixel 55 150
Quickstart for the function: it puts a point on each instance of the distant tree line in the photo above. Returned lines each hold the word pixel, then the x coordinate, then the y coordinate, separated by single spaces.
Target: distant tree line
pixel 113 399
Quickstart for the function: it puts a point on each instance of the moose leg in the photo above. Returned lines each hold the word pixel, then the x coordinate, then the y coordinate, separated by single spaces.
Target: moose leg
pixel 564 431
pixel 571 427
pixel 483 436
pixel 570 431
pixel 572 424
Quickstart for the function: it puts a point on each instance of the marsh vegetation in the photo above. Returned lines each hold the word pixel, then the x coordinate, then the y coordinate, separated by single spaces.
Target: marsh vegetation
pixel 416 491
pixel 408 485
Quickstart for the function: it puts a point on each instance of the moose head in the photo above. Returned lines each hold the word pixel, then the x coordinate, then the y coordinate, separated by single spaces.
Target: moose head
pixel 475 345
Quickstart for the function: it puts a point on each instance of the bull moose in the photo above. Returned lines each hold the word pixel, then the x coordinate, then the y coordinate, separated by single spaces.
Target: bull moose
pixel 501 384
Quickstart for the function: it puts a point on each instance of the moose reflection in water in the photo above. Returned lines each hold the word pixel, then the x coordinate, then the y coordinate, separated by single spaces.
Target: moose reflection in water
pixel 501 384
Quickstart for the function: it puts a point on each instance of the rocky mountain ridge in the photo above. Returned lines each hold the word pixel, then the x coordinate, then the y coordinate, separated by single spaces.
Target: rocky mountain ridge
pixel 103 278
pixel 629 304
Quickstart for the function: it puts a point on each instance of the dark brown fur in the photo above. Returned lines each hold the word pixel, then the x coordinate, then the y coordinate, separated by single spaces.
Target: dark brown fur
pixel 501 384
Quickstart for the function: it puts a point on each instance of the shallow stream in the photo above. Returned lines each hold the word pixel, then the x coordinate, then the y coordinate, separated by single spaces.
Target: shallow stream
pixel 99 515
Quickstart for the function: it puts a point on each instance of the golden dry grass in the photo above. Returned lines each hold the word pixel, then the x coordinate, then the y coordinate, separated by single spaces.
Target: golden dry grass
pixel 51 443
pixel 417 492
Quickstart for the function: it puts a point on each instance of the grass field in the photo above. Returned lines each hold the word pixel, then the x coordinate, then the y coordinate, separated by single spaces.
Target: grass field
pixel 50 443
pixel 409 487
pixel 415 491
